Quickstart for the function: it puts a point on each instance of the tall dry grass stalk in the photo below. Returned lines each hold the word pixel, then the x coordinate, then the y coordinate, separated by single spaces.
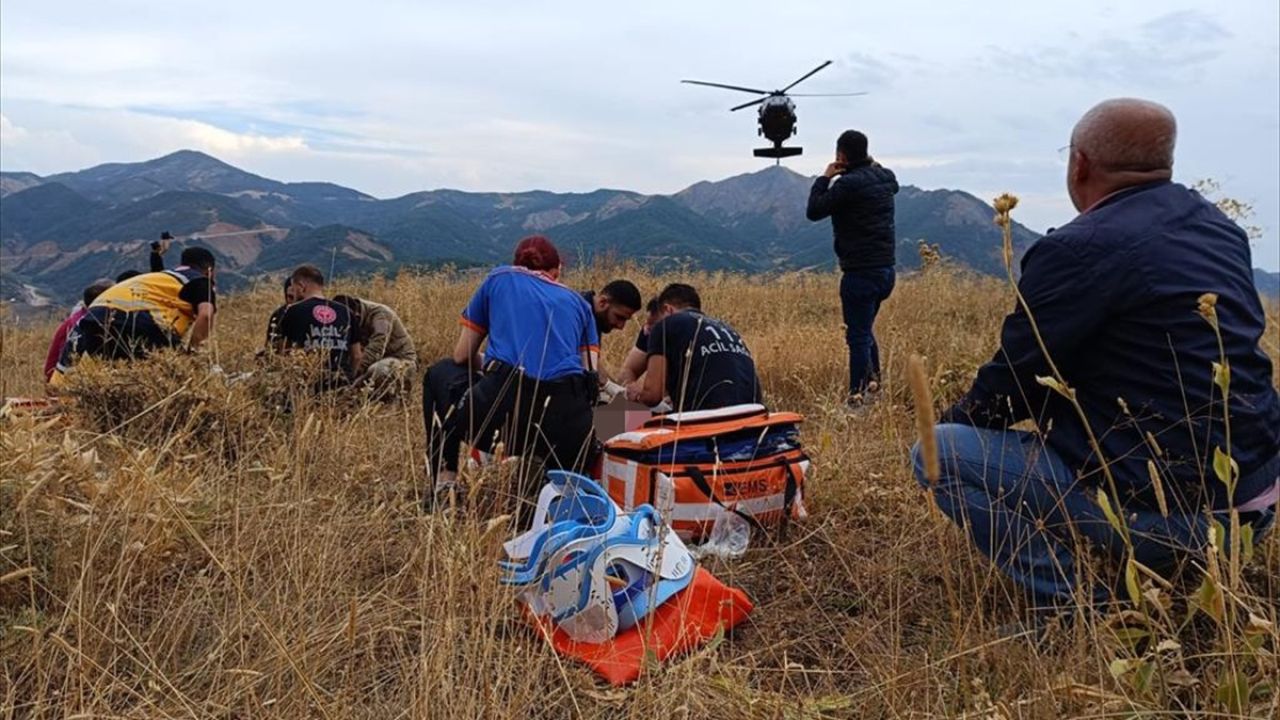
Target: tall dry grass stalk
pixel 177 546
pixel 918 379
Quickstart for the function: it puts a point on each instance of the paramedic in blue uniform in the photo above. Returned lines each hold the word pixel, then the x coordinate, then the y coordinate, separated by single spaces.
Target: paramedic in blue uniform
pixel 535 385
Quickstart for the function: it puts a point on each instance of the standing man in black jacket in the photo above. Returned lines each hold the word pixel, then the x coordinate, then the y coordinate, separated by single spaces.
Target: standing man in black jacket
pixel 857 192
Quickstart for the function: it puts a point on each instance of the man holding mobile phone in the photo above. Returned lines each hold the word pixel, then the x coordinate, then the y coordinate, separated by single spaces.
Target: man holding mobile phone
pixel 856 192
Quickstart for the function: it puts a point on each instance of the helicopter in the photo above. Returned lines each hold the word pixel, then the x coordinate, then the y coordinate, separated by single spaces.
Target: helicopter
pixel 777 114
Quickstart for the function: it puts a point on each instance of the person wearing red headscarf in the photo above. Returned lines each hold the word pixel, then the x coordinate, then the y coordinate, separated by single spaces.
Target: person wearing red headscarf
pixel 533 387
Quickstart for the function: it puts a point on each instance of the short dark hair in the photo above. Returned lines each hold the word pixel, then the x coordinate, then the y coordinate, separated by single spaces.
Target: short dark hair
pixel 853 144
pixel 198 257
pixel 310 273
pixel 624 293
pixel 94 290
pixel 681 296
pixel 126 275
pixel 652 306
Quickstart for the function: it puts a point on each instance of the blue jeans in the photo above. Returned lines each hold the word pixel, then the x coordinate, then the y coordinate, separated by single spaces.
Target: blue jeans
pixel 861 292
pixel 1020 502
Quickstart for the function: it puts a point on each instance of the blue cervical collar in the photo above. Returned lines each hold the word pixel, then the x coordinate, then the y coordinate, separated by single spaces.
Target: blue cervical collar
pixel 632 601
pixel 584 509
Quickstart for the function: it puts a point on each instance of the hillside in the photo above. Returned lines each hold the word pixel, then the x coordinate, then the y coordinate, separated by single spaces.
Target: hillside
pixel 1268 282
pixel 11 182
pixel 62 231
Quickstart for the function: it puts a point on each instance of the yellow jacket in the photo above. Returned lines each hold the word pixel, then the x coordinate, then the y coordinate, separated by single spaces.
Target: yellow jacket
pixel 158 293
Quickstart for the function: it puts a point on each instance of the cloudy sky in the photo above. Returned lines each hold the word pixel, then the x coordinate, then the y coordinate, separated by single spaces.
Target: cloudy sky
pixel 390 97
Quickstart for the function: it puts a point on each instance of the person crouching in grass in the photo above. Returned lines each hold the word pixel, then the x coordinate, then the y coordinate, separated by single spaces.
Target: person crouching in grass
pixel 315 324
pixel 1112 297
pixel 533 388
pixel 145 312
pixel 388 360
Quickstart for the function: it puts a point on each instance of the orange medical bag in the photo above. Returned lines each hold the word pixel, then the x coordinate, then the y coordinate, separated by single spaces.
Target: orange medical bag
pixel 695 466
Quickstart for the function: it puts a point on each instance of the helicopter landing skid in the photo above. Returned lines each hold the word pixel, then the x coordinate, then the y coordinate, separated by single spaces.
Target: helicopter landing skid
pixel 777 152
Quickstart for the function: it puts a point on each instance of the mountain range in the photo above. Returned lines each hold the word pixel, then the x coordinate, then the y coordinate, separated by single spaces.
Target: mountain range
pixel 60 232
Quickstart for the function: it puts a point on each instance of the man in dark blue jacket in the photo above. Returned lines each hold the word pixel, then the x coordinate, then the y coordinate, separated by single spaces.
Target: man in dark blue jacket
pixel 1116 298
pixel 859 201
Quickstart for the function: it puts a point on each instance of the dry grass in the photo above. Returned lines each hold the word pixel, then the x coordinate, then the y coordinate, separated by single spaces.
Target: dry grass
pixel 181 548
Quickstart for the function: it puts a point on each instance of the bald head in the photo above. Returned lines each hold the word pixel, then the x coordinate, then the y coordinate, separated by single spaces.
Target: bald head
pixel 1127 134
pixel 1117 144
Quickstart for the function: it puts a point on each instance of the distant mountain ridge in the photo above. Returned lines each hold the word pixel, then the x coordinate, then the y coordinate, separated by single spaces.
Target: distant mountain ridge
pixel 58 233
pixel 1268 283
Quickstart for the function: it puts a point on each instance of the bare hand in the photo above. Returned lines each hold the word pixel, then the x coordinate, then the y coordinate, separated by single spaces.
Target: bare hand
pixel 834 169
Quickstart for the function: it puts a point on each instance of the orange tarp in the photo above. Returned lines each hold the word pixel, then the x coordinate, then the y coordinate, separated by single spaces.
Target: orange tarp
pixel 688 620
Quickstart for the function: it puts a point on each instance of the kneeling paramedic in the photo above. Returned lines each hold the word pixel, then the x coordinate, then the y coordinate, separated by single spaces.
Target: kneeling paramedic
pixel 320 327
pixel 145 312
pixel 695 361
pixel 534 388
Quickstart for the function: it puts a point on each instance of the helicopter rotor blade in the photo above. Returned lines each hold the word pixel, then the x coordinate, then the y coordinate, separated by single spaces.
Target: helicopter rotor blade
pixel 726 87
pixel 806 76
pixel 747 105
pixel 825 94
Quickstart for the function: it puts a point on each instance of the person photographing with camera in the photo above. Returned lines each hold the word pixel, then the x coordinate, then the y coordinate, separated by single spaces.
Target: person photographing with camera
pixel 856 192
pixel 158 249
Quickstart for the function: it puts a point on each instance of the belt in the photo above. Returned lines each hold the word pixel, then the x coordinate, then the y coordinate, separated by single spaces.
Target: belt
pixel 569 384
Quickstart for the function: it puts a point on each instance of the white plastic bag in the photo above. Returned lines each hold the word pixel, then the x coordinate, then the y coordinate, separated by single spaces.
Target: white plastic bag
pixel 729 537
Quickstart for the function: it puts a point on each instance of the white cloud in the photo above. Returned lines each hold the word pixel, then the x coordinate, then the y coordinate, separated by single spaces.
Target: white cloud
pixel 73 138
pixel 9 133
pixel 914 162
pixel 402 96
pixel 44 150
pixel 217 141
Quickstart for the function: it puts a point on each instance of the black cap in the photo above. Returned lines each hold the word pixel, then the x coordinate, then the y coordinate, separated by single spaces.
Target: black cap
pixel 165 235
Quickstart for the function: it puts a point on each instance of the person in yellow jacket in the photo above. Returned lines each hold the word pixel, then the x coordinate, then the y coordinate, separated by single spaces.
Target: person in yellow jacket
pixel 145 312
